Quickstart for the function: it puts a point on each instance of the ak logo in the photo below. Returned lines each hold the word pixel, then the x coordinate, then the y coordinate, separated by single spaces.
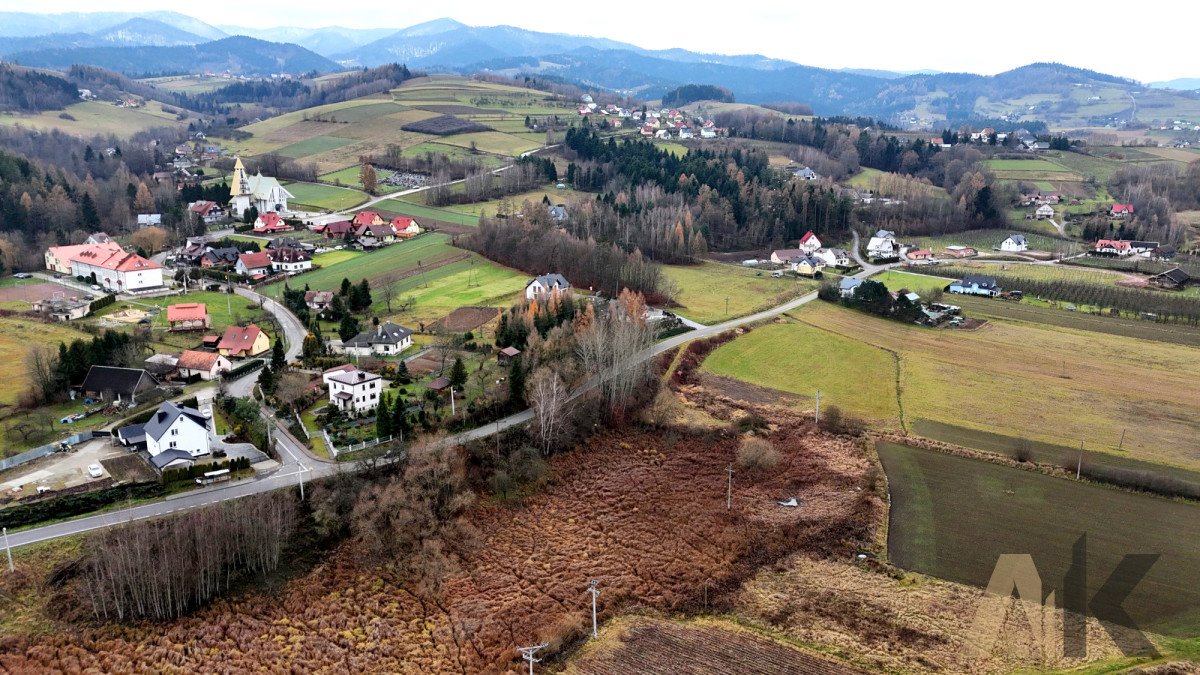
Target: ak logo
pixel 1017 574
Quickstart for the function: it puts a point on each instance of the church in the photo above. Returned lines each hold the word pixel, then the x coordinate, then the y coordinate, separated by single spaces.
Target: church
pixel 259 191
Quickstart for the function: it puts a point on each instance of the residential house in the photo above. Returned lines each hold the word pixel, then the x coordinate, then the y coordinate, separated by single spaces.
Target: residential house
pixel 176 429
pixel 219 257
pixel 263 193
pixel 99 238
pixel 289 260
pixel 647 131
pixel 505 356
pixel 834 257
pixel 883 245
pixel 806 265
pixel 208 212
pixel 1143 248
pixel 243 342
pixel 148 219
pixel 386 339
pixel 1044 212
pixel 1164 252
pixel 545 284
pixel 110 383
pixel 685 134
pixel 253 264
pixel 783 256
pixel 1118 247
pixel 557 212
pixel 340 229
pixel 289 242
pixel 1014 243
pixel 809 243
pixel 662 133
pixel 922 254
pixel 405 228
pixel 848 286
pixel 208 365
pixel 805 173
pixel 367 218
pixel 115 269
pixel 270 223
pixel 976 284
pixel 353 390
pixel 318 301
pixel 1121 210
pixel 1172 278
pixel 708 133
pixel 187 316
pixel 374 235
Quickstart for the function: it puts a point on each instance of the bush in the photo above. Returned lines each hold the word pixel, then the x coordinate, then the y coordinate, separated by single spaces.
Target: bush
pixel 75 504
pixel 834 421
pixel 757 454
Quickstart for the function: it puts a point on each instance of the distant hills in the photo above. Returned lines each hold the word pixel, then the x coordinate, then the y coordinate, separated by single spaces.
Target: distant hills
pixel 238 55
pixel 1182 83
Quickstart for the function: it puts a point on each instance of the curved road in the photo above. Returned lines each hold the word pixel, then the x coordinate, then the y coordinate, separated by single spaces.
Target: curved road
pixel 298 465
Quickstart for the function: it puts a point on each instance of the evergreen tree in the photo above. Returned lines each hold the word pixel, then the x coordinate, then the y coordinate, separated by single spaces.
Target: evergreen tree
pixel 88 211
pixel 348 328
pixel 402 373
pixel 516 381
pixel 400 422
pixel 383 417
pixel 345 289
pixel 278 360
pixel 267 381
pixel 458 374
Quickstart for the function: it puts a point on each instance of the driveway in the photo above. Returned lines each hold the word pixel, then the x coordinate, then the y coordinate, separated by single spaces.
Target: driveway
pixel 62 469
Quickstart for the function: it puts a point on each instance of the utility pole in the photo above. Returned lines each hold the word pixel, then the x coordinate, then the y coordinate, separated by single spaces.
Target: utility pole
pixel 8 550
pixel 1079 463
pixel 592 588
pixel 817 414
pixel 727 307
pixel 301 474
pixel 729 489
pixel 452 413
pixel 528 652
pixel 1121 445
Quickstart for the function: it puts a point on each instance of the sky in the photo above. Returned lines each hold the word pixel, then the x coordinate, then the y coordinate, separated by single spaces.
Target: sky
pixel 943 35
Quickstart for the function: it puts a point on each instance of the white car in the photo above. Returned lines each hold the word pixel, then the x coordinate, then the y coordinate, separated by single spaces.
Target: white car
pixel 95 471
pixel 96 288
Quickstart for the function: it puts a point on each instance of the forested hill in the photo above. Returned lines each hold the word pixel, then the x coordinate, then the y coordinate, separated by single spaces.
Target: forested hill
pixel 24 90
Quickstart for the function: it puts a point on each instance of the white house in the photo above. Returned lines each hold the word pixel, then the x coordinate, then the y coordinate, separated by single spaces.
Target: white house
pixel 1044 212
pixel 809 243
pixel 289 260
pixel 833 257
pixel 208 365
pixel 174 436
pixel 253 264
pixel 806 265
pixel 883 245
pixel 261 192
pixel 353 390
pixel 848 286
pixel 115 269
pixel 546 284
pixel 1014 243
pixel 386 339
pixel 976 284
pixel 148 219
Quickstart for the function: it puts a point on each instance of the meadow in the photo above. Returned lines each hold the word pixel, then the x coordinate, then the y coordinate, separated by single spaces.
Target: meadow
pixel 426 249
pixel 319 197
pixel 920 284
pixel 18 336
pixel 714 292
pixel 96 118
pixel 952 517
pixel 986 240
pixel 1050 384
pixel 492 206
pixel 406 208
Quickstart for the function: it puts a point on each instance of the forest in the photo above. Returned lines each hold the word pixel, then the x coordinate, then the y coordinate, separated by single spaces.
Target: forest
pixel 25 90
pixel 690 93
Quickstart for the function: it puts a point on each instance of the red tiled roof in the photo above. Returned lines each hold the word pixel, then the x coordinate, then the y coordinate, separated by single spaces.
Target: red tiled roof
pixel 188 311
pixel 194 360
pixel 255 260
pixel 1118 244
pixel 202 207
pixel 239 338
pixel 1122 208
pixel 808 235
pixel 366 217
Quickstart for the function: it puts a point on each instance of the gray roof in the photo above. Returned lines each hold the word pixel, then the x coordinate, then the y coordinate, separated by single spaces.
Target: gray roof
pixel 162 459
pixel 812 262
pixel 885 234
pixel 166 415
pixel 383 334
pixel 558 212
pixel 978 280
pixel 551 280
pixel 123 381
pixel 353 377
pixel 849 283
pixel 134 434
pixel 1017 238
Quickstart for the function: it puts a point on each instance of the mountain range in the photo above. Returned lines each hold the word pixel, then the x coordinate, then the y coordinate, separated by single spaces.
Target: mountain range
pixel 169 42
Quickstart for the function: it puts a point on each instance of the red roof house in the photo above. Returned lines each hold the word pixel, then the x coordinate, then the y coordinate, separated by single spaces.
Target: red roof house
pixel 1121 210
pixel 270 222
pixel 243 341
pixel 367 218
pixel 338 230
pixel 405 228
pixel 253 264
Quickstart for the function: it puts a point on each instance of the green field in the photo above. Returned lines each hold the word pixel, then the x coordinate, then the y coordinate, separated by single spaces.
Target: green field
pixel 1015 378
pixel 407 208
pixel 494 142
pixel 17 337
pixel 454 152
pixel 313 146
pixel 1030 311
pixel 714 292
pixel 224 310
pixel 986 240
pixel 492 206
pixel 952 517
pixel 802 359
pixel 920 284
pixel 334 257
pixel 1040 165
pixel 98 117
pixel 324 197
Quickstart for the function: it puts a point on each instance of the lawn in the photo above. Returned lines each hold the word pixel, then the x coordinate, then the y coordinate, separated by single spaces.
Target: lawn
pixel 1040 165
pixel 986 240
pixel 397 258
pixel 97 118
pixel 801 359
pixel 918 283
pixel 713 292
pixel 555 195
pixel 472 282
pixel 952 517
pixel 324 197
pixel 1050 384
pixel 18 337
pixel 224 310
pixel 312 146
pixel 334 257
pixel 411 209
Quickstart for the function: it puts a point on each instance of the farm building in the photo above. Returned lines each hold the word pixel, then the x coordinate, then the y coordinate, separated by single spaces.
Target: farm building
pixel 63 309
pixel 1044 212
pixel 976 284
pixel 1172 278
pixel 1014 243
pixel 506 355
pixel 110 383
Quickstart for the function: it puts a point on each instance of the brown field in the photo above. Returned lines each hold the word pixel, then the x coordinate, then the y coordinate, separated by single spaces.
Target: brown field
pixel 643 512
pixel 466 319
pixel 424 364
pixel 1174 154
pixel 705 646
pixel 34 291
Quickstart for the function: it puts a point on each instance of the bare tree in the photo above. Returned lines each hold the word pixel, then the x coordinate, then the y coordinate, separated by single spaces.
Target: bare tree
pixel 387 291
pixel 291 390
pixel 614 350
pixel 41 365
pixel 550 401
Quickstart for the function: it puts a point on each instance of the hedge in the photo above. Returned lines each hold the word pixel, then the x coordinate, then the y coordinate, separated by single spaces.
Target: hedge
pixel 198 470
pixel 101 303
pixel 76 504
pixel 247 367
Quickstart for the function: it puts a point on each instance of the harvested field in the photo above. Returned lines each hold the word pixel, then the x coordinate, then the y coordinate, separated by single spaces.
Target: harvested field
pixel 642 512
pixel 444 125
pixel 129 468
pixel 645 645
pixel 454 109
pixel 424 363
pixel 465 319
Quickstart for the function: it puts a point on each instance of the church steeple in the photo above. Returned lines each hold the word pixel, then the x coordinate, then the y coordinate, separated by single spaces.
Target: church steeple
pixel 239 185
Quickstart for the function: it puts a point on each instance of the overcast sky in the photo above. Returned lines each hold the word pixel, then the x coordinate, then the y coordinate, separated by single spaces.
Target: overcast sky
pixel 937 34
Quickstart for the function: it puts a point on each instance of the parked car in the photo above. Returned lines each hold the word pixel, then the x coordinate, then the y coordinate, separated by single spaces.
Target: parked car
pixel 96 287
pixel 22 275
pixel 95 471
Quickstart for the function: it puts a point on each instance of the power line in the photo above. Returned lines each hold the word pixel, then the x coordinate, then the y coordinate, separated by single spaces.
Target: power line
pixel 528 652
pixel 595 591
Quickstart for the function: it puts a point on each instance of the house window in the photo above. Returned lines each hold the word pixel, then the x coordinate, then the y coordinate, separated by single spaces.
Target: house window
pixel 174 432
pixel 172 444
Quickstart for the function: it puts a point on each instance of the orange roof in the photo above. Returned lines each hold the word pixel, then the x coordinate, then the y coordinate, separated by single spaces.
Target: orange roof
pixel 188 311
pixel 238 338
pixel 194 360
pixel 366 218
pixel 255 260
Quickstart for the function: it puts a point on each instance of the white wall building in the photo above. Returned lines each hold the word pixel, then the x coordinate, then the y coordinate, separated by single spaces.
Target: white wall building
pixel 176 428
pixel 353 390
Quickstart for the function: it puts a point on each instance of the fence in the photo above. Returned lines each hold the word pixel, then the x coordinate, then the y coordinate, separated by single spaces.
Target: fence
pixel 42 451
pixel 356 446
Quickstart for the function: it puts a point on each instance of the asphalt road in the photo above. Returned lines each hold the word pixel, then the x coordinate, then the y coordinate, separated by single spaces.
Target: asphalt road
pixel 297 464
